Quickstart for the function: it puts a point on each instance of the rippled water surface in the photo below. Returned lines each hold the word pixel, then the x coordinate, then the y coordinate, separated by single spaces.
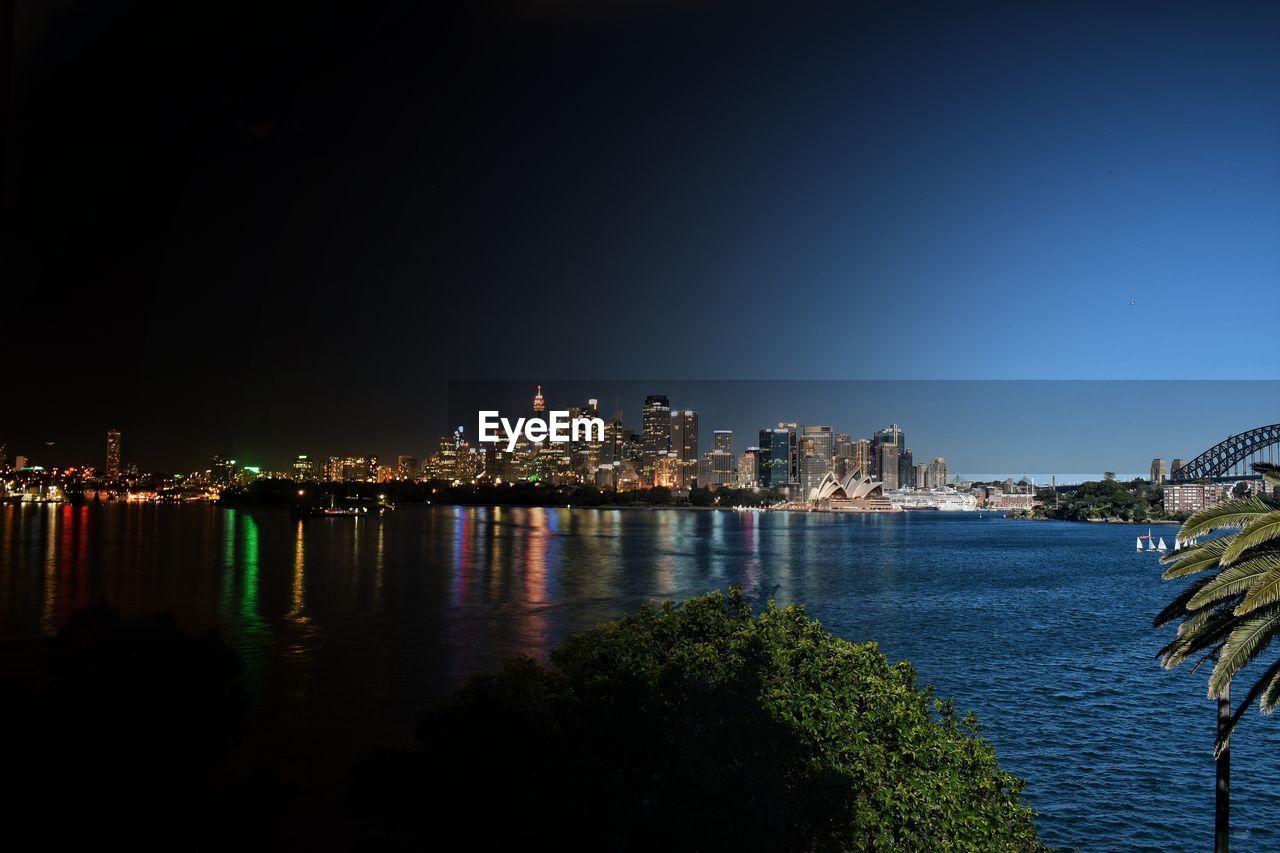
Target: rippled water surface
pixel 347 627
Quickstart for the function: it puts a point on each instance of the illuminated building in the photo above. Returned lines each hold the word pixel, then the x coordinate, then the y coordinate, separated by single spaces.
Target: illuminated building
pixel 222 471
pixel 4 456
pixel 722 439
pixel 684 444
pixel 777 456
pixel 113 454
pixel 656 431
pixel 717 469
pixel 408 467
pixel 305 469
pixel 855 493
pixel 355 469
pixel 333 469
pixel 749 468
pixel 539 404
pixel 386 474
pixel 666 470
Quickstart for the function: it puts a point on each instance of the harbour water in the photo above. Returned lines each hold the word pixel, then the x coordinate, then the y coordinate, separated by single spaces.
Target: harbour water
pixel 347 627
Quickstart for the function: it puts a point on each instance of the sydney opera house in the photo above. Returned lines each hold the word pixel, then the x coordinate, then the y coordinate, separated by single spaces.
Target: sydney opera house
pixel 855 493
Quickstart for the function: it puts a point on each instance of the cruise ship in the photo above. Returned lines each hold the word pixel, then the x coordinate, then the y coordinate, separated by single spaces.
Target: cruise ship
pixel 939 500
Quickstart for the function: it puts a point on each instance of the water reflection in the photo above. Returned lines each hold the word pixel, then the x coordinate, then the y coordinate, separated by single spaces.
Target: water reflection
pixel 347 627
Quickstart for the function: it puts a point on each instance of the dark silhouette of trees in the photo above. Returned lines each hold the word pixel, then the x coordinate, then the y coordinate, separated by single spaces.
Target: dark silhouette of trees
pixel 119 740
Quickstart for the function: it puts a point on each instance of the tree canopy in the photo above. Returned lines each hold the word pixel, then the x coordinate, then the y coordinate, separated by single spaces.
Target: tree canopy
pixel 702 727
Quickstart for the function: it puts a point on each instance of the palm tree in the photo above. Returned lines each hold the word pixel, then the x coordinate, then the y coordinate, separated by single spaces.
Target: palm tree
pixel 1230 613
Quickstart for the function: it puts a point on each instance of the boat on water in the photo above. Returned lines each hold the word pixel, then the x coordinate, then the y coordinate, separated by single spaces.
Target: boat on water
pixel 1152 546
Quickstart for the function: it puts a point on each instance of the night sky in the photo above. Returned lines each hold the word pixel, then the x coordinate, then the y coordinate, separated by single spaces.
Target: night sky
pixel 272 228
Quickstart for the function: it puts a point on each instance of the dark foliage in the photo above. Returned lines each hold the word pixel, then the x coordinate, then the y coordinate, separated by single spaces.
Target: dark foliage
pixel 700 727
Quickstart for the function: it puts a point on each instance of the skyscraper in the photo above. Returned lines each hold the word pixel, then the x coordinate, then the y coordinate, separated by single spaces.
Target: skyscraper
pixel 655 428
pixel 939 473
pixel 906 470
pixel 862 456
pixel 113 454
pixel 815 445
pixel 749 468
pixel 893 435
pixel 684 444
pixel 887 464
pixel 722 439
pixel 305 469
pixel 777 456
pixel 408 467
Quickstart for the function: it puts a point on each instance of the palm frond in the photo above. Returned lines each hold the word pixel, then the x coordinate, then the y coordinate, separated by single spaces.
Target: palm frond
pixel 1266 586
pixel 1199 633
pixel 1233 513
pixel 1259 531
pixel 1248 639
pixel 1237 579
pixel 1270 473
pixel 1197 558
pixel 1271 694
pixel 1177 609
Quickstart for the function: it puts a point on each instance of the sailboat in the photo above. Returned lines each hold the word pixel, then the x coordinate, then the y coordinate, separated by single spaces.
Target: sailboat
pixel 1139 543
pixel 1151 543
pixel 1162 546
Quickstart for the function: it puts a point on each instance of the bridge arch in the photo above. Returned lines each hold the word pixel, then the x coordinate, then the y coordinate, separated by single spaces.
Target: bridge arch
pixel 1234 455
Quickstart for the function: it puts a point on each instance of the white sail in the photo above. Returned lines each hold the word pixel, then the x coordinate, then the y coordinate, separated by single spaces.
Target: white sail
pixel 1151 544
pixel 1139 543
pixel 1162 546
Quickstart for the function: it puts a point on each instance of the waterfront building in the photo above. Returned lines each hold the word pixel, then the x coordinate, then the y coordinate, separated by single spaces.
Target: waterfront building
pixel 684 444
pixel 749 468
pixel 1158 472
pixel 855 493
pixel 333 469
pixel 1182 498
pixel 113 454
pixel 815 445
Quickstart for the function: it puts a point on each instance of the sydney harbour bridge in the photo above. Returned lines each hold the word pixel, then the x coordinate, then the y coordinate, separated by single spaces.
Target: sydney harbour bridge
pixel 1233 457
